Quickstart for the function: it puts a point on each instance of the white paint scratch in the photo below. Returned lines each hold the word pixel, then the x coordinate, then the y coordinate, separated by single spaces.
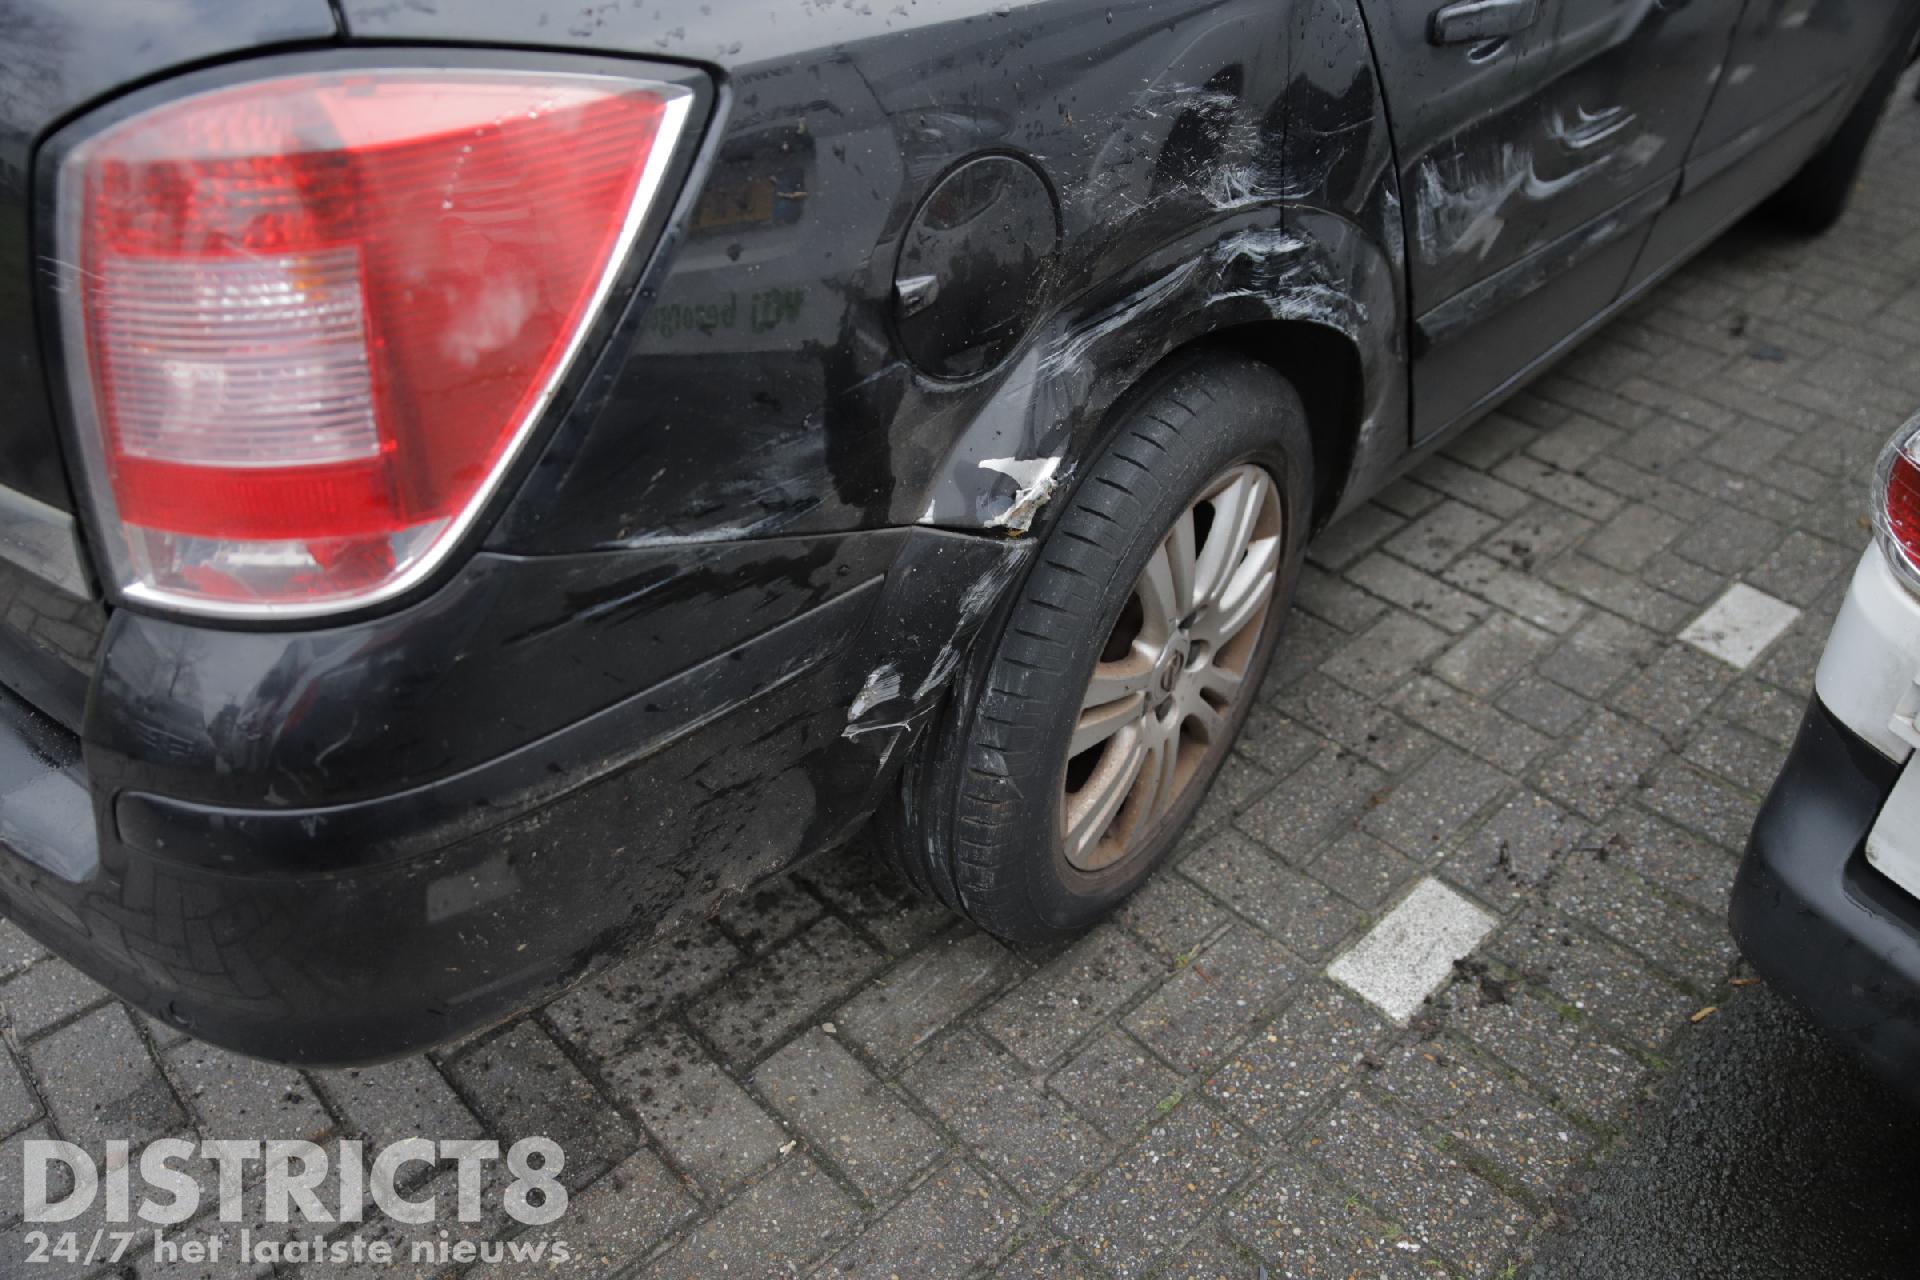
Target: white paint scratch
pixel 883 685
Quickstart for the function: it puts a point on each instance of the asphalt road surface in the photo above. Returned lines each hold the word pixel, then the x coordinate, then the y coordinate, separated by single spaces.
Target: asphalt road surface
pixel 1767 1152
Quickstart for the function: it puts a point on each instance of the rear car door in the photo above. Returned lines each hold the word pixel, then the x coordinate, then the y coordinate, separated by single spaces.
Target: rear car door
pixel 1536 141
pixel 1794 68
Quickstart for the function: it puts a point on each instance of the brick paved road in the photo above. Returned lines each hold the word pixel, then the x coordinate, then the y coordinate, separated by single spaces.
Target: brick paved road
pixel 1482 683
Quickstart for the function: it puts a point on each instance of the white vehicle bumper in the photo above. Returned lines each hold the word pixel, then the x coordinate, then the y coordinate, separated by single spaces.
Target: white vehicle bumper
pixel 1869 678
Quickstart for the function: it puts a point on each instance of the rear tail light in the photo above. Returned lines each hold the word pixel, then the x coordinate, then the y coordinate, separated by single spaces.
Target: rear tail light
pixel 317 315
pixel 1896 504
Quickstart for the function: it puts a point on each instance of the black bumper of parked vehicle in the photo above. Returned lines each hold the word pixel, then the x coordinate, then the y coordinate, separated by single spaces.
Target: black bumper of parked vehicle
pixel 339 933
pixel 1815 919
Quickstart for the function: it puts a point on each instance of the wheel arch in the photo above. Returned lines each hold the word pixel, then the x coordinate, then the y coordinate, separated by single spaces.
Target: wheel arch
pixel 1305 293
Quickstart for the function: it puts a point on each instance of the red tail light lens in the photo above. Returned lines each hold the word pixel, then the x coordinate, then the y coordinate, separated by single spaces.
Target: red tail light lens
pixel 318 315
pixel 1896 506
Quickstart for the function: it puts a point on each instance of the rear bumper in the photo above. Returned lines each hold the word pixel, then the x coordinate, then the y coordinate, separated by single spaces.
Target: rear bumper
pixel 1821 925
pixel 346 933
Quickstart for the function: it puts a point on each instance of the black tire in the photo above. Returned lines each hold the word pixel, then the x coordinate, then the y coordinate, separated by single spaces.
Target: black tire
pixel 1813 199
pixel 979 817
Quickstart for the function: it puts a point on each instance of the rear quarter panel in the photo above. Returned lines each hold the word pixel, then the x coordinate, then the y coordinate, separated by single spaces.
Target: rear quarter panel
pixel 1213 164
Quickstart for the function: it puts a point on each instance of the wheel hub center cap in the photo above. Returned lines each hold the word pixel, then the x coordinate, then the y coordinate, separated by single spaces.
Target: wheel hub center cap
pixel 1170 678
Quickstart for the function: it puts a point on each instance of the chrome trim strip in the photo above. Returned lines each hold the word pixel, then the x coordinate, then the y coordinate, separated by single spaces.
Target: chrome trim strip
pixel 44 541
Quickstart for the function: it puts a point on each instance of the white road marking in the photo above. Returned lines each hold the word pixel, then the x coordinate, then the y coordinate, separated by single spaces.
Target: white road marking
pixel 1408 955
pixel 1739 626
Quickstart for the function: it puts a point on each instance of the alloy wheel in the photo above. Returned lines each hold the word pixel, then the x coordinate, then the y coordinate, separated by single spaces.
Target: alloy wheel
pixel 1159 700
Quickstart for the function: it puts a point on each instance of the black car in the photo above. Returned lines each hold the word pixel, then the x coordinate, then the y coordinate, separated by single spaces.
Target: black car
pixel 483 481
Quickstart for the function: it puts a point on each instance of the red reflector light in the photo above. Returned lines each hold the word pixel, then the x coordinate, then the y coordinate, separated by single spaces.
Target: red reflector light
pixel 1897 502
pixel 319 314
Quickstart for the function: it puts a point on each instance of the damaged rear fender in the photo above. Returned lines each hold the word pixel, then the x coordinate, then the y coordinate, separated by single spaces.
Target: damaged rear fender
pixel 1305 267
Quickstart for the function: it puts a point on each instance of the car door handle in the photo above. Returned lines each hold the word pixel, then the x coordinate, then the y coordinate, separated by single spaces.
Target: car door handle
pixel 1469 20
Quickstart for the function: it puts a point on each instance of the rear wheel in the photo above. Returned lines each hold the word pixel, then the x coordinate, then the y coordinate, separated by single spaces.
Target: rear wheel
pixel 1126 665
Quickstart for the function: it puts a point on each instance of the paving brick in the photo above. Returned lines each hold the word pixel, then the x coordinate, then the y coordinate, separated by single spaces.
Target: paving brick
pixel 1135 1213
pixel 1299 912
pixel 1474 1104
pixel 1597 654
pixel 769 914
pixel 1306 643
pixel 1209 1255
pixel 925 992
pixel 1728 539
pixel 1679 863
pixel 1419 593
pixel 1544 705
pixel 1115 1083
pixel 17 950
pixel 1594 977
pixel 1700 803
pixel 1046 1254
pixel 776 1227
pixel 862 1125
pixel 1560 1054
pixel 1363 869
pixel 607 1012
pixel 236 1097
pixel 1275 742
pixel 45 995
pixel 1601 766
pixel 1575 441
pixel 1633 537
pixel 1356 722
pixel 1024 1135
pixel 17 1103
pixel 1333 599
pixel 1468 722
pixel 1743 758
pixel 1419 816
pixel 1558 486
pixel 1520 594
pixel 1426 1191
pixel 395 1100
pixel 1305 1057
pixel 1536 536
pixel 1684 942
pixel 1312 807
pixel 766 1001
pixel 612 1224
pixel 1674 690
pixel 1489 656
pixel 1302 1227
pixel 1621 593
pixel 1682 578
pixel 704 1121
pixel 1385 654
pixel 1213 998
pixel 1472 486
pixel 1439 537
pixel 100 1082
pixel 1516 853
pixel 859 884
pixel 1171 916
pixel 524 1087
pixel 1083 986
pixel 950 1224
